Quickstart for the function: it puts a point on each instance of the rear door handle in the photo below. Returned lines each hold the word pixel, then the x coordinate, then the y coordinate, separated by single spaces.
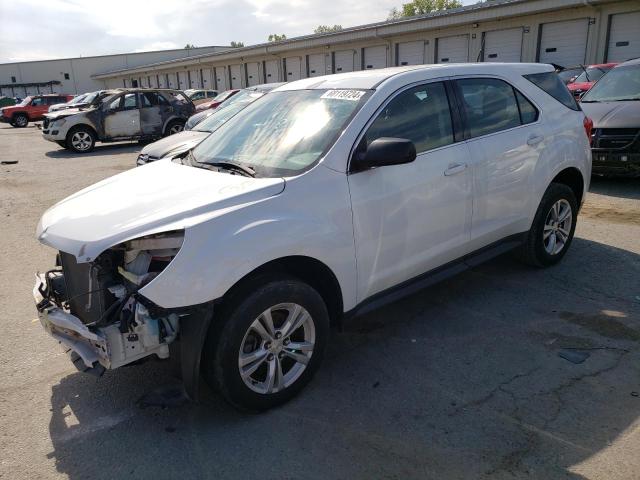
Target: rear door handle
pixel 455 168
pixel 534 139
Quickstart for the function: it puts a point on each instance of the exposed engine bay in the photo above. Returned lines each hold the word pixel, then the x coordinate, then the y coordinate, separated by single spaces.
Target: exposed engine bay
pixel 95 311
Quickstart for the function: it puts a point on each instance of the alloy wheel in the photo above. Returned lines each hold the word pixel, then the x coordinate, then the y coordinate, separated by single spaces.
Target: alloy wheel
pixel 276 348
pixel 557 227
pixel 177 128
pixel 81 141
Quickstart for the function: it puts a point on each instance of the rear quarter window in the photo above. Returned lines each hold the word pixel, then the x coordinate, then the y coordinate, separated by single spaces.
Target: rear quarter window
pixel 552 85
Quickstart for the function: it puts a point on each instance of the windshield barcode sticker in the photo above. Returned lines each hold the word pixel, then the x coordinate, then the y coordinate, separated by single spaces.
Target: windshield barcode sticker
pixel 353 95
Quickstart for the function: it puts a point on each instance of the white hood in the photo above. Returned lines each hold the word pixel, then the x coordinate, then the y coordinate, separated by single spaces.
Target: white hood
pixel 158 197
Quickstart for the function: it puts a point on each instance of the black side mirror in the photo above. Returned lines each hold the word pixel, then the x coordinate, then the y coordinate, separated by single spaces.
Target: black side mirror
pixel 382 152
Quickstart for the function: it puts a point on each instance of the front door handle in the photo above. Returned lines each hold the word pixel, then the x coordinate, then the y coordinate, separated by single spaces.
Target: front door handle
pixel 534 139
pixel 455 168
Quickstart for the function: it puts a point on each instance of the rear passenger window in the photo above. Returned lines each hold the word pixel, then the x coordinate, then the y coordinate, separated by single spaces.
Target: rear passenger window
pixel 551 83
pixel 489 104
pixel 420 114
pixel 528 113
pixel 149 99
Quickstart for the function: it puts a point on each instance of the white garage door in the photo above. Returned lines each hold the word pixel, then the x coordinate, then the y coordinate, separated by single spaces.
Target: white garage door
pixel 624 37
pixel 272 71
pixel 207 79
pixel 317 65
pixel 410 53
pixel 173 82
pixel 183 81
pixel 236 76
pixel 375 57
pixel 452 49
pixel 564 43
pixel 253 73
pixel 503 45
pixel 294 68
pixel 222 80
pixel 194 78
pixel 162 80
pixel 153 81
pixel 344 61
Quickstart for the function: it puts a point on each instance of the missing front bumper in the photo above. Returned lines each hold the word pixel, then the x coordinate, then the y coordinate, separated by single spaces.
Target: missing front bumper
pixel 105 347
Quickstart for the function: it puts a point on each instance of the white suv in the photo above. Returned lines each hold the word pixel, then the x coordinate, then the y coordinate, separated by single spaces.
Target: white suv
pixel 325 198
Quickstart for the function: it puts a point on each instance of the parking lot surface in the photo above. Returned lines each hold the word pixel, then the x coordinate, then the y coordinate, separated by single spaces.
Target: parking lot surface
pixel 504 371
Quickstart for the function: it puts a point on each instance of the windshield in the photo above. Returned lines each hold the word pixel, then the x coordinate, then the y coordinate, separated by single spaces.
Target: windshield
pixel 233 106
pixel 621 83
pixel 591 74
pixel 224 95
pixel 78 99
pixel 284 133
pixel 24 102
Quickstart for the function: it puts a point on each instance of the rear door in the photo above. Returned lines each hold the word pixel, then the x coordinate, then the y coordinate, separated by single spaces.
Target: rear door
pixel 505 138
pixel 122 118
pixel 411 218
pixel 153 110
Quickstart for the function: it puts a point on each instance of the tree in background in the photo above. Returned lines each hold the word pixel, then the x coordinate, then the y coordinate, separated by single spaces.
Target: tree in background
pixel 274 37
pixel 189 45
pixel 327 29
pixel 420 7
pixel 237 44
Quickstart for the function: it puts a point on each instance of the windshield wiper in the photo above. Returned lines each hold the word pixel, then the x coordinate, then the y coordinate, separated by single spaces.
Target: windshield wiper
pixel 245 170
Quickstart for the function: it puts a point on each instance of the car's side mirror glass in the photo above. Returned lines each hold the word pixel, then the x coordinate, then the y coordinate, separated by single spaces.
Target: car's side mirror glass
pixel 382 152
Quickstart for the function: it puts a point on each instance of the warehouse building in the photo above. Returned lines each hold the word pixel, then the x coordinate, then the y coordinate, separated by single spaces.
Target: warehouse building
pixel 563 32
pixel 75 75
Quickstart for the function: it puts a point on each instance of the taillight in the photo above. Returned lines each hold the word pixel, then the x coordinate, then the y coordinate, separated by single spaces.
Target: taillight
pixel 588 127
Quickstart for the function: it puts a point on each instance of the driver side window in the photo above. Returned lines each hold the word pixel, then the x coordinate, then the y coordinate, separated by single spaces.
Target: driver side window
pixel 420 114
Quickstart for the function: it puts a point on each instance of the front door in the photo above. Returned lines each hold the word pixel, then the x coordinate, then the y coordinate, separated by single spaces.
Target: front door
pixel 122 118
pixel 409 219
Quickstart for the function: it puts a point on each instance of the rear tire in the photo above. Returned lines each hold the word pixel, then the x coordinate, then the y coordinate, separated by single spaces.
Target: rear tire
pixel 253 355
pixel 20 120
pixel 81 139
pixel 174 126
pixel 552 229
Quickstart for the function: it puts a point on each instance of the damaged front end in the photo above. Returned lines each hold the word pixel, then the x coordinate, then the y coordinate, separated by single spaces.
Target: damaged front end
pixel 95 311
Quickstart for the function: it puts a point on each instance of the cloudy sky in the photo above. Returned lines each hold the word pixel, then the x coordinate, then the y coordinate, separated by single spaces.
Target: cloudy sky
pixel 37 29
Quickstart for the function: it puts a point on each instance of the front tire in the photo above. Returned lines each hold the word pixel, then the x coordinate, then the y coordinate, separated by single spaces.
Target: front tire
pixel 20 120
pixel 268 343
pixel 553 227
pixel 81 139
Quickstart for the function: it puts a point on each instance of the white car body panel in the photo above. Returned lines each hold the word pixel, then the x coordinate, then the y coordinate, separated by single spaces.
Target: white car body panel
pixel 362 226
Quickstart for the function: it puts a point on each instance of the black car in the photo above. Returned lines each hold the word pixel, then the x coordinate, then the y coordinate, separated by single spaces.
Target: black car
pixel 613 104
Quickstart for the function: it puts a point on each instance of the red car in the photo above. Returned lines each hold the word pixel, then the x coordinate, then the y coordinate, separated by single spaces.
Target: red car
pixel 218 100
pixel 590 75
pixel 31 109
